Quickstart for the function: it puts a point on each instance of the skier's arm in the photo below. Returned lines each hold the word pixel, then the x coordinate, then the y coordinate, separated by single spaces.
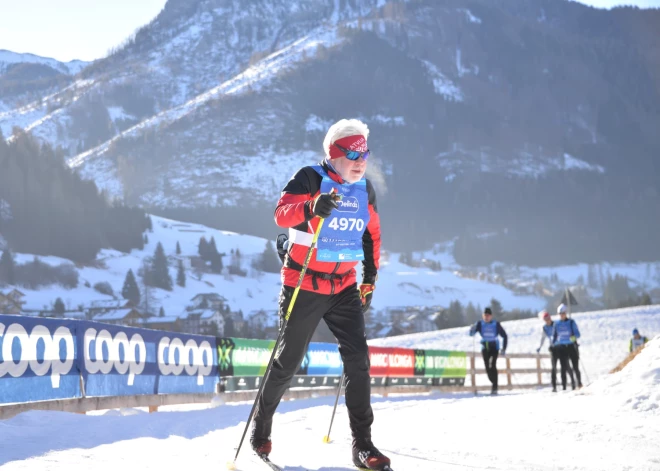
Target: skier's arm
pixel 371 240
pixel 295 204
pixel 630 347
pixel 502 333
pixel 576 331
pixel 543 336
pixel 476 327
pixel 554 334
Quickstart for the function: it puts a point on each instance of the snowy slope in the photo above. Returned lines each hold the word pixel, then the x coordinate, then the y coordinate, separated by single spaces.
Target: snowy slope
pixel 603 345
pixel 599 429
pixel 398 285
pixel 8 58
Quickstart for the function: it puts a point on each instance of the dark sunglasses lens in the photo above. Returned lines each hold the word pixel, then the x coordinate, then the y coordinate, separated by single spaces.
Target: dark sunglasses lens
pixel 354 155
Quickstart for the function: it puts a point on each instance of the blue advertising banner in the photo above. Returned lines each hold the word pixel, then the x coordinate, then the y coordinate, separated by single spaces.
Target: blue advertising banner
pixel 37 359
pixel 322 359
pixel 117 360
pixel 187 363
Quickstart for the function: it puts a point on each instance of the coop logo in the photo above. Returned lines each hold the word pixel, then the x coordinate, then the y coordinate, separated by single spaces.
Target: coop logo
pixel 31 347
pixel 118 352
pixel 175 357
pixel 348 204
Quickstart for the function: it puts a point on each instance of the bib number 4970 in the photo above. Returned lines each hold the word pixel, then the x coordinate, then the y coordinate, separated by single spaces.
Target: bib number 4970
pixel 346 224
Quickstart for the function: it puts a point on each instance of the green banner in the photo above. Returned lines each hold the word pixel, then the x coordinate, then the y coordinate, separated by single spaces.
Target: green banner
pixel 445 364
pixel 243 357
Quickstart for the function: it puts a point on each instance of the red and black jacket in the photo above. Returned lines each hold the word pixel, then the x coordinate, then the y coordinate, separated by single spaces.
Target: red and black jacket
pixel 294 211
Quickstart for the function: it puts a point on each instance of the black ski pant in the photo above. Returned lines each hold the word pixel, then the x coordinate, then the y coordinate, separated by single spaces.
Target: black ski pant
pixel 342 313
pixel 489 354
pixel 574 356
pixel 563 354
pixel 554 357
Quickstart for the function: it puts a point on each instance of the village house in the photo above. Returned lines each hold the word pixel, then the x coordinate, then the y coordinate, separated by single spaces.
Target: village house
pixel 203 322
pixel 125 316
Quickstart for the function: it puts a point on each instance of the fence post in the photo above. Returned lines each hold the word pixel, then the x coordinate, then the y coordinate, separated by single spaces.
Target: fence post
pixel 538 370
pixel 473 373
pixel 508 372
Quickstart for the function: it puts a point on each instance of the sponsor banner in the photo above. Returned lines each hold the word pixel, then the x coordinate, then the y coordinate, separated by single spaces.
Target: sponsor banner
pixel 37 359
pixel 322 359
pixel 445 364
pixel 378 380
pixel 243 357
pixel 378 360
pixel 117 360
pixel 187 364
pixel 401 362
pixel 246 383
pixel 415 381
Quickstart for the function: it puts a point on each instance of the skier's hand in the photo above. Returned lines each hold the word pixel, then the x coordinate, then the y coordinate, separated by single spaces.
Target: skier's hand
pixel 538 350
pixel 473 330
pixel 366 292
pixel 323 204
pixel 573 338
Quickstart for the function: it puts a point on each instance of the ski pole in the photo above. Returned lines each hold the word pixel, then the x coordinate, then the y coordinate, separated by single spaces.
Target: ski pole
pixel 232 465
pixel 326 439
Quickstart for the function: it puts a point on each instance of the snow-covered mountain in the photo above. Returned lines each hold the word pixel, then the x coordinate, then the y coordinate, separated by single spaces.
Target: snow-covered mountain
pixel 216 102
pixel 9 58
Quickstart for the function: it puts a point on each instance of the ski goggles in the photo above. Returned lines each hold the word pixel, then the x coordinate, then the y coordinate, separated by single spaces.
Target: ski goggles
pixel 353 154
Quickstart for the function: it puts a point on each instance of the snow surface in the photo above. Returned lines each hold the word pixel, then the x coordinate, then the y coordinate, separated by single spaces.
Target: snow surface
pixel 610 425
pixel 603 345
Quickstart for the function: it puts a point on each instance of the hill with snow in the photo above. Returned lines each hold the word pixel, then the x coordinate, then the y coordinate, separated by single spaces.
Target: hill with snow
pixel 603 345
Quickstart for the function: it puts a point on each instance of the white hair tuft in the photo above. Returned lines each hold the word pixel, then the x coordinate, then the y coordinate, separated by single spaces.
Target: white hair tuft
pixel 344 128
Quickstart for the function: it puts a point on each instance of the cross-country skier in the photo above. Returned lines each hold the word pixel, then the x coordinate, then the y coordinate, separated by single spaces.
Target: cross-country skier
pixel 637 340
pixel 565 337
pixel 350 234
pixel 490 330
pixel 548 330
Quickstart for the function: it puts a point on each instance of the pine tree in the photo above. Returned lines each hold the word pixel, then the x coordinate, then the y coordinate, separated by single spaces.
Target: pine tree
pixel 145 239
pixel 496 307
pixel 181 275
pixel 161 312
pixel 203 248
pixel 160 275
pixel 216 263
pixel 178 248
pixel 7 268
pixel 270 261
pixel 131 291
pixel 58 307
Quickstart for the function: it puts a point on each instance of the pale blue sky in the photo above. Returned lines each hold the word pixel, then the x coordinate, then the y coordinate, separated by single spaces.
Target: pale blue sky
pixel 88 29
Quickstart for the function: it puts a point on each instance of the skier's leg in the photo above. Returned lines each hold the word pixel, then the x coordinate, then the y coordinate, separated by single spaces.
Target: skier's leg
pixel 575 360
pixel 346 322
pixel 485 354
pixel 563 362
pixel 494 355
pixel 306 314
pixel 553 374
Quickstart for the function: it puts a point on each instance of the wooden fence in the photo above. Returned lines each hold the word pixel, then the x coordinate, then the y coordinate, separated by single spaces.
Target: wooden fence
pixel 86 404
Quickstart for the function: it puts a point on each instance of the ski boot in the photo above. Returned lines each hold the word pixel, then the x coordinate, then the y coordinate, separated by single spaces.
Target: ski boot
pixel 367 457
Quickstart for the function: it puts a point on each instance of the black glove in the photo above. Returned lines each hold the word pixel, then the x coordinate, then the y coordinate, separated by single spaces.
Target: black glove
pixel 323 205
pixel 366 293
